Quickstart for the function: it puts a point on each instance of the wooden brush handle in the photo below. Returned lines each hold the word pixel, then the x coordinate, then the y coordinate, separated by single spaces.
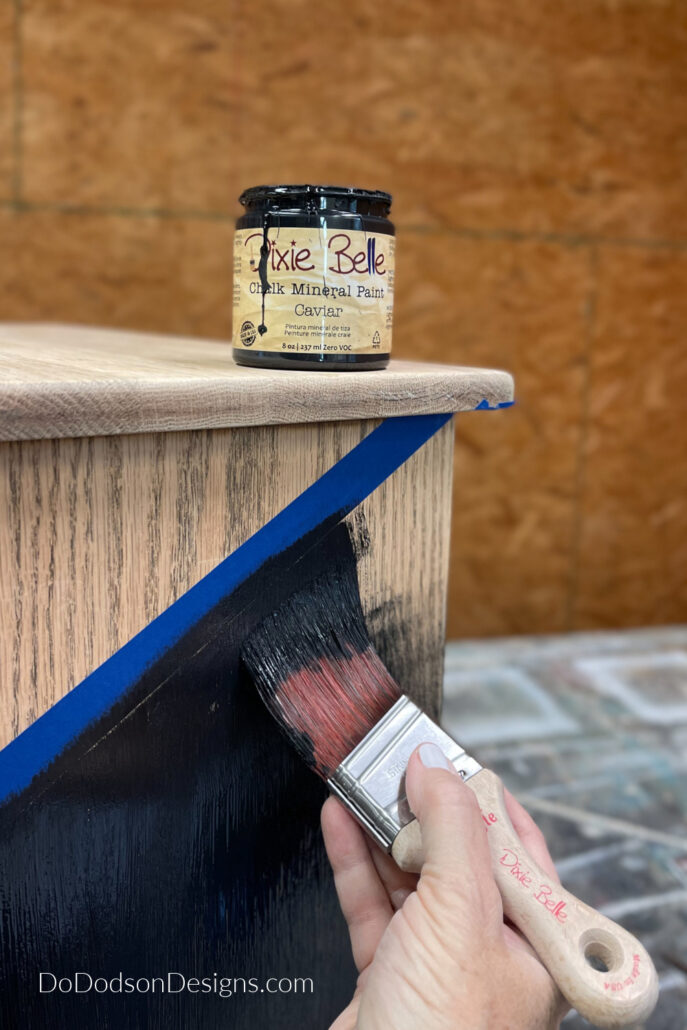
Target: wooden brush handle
pixel 565 933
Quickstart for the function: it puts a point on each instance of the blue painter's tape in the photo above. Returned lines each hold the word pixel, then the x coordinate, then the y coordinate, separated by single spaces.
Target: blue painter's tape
pixel 337 492
pixel 486 406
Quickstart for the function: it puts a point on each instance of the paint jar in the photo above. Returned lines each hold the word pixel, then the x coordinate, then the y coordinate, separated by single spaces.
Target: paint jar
pixel 313 278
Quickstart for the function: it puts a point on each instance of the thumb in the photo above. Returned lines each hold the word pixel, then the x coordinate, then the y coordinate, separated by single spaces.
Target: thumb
pixel 453 832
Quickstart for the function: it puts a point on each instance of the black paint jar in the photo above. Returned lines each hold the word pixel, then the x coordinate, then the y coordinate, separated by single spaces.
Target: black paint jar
pixel 313 278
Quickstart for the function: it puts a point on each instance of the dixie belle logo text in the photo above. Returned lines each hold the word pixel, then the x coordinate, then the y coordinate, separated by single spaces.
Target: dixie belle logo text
pixel 343 256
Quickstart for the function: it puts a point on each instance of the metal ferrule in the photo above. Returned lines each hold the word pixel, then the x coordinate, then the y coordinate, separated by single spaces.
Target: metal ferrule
pixel 371 780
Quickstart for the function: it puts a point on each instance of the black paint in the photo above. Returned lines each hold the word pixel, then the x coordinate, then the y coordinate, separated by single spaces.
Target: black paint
pixel 179 833
pixel 318 636
pixel 262 267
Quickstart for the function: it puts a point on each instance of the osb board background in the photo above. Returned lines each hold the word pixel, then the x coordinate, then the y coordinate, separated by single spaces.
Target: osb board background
pixel 538 158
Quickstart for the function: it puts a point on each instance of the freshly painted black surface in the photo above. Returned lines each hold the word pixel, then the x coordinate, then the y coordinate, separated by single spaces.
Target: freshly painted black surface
pixel 321 626
pixel 178 834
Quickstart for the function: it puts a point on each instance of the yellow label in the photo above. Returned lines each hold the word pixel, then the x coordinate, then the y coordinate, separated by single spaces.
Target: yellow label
pixel 329 291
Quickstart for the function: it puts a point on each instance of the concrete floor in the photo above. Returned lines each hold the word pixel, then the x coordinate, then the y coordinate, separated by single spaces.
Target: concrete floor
pixel 590 732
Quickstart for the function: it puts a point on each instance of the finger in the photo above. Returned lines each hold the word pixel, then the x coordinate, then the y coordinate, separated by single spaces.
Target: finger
pixel 456 880
pixel 516 940
pixel 453 834
pixel 362 895
pixel 530 835
pixel 397 884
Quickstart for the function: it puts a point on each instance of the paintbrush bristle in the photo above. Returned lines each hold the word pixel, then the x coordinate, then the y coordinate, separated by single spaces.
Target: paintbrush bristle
pixel 317 672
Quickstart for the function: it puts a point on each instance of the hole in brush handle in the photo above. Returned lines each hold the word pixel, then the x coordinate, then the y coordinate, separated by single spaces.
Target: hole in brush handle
pixel 602 950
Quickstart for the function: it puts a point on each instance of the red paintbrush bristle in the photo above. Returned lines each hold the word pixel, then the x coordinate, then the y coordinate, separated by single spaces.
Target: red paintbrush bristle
pixel 333 703
pixel 318 673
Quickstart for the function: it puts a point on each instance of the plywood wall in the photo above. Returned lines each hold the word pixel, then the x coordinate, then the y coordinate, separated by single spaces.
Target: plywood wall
pixel 537 157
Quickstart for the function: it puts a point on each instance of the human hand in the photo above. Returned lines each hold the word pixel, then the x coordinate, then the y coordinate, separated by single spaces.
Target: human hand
pixel 433 952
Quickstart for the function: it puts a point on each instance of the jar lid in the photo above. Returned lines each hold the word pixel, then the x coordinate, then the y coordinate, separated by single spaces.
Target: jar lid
pixel 338 197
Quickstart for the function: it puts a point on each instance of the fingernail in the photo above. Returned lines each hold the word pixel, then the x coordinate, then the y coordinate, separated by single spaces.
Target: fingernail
pixel 432 757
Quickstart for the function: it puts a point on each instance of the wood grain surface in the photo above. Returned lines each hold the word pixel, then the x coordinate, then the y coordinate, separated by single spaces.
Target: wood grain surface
pixel 65 381
pixel 101 534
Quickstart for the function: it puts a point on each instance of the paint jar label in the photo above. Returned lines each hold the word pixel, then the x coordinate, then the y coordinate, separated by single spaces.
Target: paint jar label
pixel 313 291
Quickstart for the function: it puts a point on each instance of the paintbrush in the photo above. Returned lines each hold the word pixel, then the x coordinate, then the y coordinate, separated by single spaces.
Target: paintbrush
pixel 319 675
